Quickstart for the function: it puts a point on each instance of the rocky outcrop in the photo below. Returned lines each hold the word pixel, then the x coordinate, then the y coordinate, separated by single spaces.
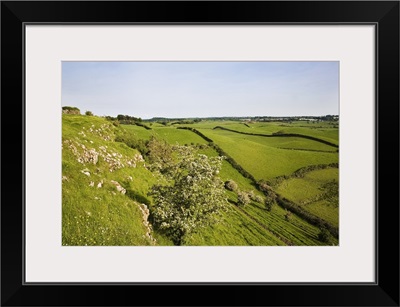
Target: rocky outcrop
pixel 145 215
pixel 118 186
pixel 86 172
pixel 115 160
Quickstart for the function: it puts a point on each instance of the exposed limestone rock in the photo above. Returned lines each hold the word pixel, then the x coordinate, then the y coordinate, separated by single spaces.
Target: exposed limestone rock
pixel 138 158
pixel 145 215
pixel 89 156
pixel 118 186
pixel 91 184
pixel 85 172
pixel 85 154
pixel 104 131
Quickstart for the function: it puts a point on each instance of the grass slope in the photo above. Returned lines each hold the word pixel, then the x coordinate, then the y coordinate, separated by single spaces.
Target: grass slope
pixel 96 169
pixel 94 212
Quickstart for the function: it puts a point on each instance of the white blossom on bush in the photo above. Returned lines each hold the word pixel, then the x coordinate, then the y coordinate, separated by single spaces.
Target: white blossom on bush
pixel 190 195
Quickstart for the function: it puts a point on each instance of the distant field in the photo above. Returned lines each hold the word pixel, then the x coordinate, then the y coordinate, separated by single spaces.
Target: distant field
pixel 312 192
pixel 263 159
pixel 325 131
pixel 282 142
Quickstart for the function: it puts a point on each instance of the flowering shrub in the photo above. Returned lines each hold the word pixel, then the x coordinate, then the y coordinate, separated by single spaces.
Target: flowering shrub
pixel 243 198
pixel 231 185
pixel 190 194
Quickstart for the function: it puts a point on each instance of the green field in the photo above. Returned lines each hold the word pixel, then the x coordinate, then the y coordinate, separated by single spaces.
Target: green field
pixel 265 158
pixel 325 131
pixel 105 182
pixel 311 193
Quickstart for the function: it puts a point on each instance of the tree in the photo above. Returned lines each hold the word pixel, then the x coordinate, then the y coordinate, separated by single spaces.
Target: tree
pixel 231 185
pixel 288 215
pixel 159 151
pixel 324 235
pixel 243 198
pixel 269 202
pixel 70 110
pixel 88 113
pixel 258 199
pixel 190 196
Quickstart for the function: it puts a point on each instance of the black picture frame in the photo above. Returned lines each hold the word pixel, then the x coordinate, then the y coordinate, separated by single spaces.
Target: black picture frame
pixel 383 14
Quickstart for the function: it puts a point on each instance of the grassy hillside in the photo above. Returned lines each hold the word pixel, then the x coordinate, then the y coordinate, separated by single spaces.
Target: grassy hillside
pixel 106 181
pixel 97 177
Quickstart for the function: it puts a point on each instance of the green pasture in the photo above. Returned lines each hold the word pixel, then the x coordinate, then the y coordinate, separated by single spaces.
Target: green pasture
pixel 263 161
pixel 282 142
pixel 324 131
pixel 314 194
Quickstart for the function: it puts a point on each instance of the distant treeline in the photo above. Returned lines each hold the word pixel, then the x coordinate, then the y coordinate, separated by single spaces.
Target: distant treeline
pixel 127 120
pixel 70 110
pixel 173 121
pixel 248 118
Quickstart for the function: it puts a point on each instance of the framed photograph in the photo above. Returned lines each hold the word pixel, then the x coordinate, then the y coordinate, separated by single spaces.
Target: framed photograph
pixel 246 148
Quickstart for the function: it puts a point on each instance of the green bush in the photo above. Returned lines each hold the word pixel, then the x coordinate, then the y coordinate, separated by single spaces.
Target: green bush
pixel 243 198
pixel 231 185
pixel 269 202
pixel 324 235
pixel 131 141
pixel 258 199
pixel 71 110
pixel 288 215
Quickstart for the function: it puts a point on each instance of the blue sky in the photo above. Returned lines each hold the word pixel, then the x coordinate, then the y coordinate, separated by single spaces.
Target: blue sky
pixel 202 89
